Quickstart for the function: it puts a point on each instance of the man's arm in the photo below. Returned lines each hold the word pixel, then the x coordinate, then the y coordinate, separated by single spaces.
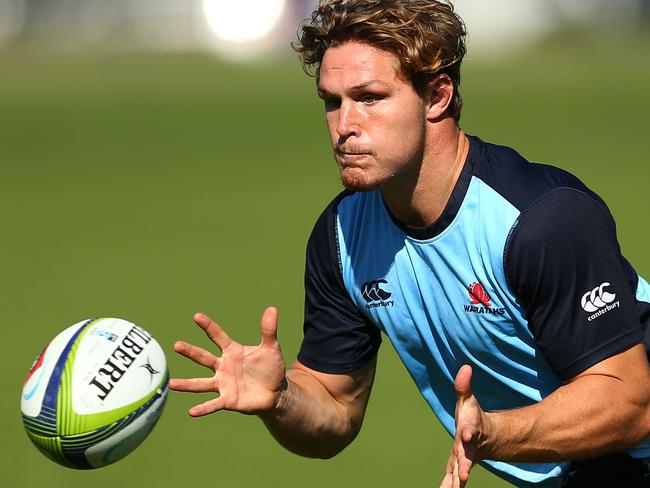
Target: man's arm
pixel 604 409
pixel 319 414
pixel 310 413
pixel 560 256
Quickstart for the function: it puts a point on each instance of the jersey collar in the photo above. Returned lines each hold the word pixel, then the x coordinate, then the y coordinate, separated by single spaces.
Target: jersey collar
pixel 453 204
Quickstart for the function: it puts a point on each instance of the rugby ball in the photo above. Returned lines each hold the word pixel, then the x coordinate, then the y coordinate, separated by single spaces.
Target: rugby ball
pixel 94 393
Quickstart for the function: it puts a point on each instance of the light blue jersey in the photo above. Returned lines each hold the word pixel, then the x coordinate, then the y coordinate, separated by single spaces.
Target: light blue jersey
pixel 521 277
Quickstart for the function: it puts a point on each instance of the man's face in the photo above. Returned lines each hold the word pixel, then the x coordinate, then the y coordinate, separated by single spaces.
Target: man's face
pixel 376 119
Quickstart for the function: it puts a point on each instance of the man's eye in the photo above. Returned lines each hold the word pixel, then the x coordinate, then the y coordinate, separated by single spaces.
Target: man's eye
pixel 370 98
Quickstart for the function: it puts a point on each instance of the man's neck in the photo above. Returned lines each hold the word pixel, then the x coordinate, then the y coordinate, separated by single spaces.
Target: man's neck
pixel 419 199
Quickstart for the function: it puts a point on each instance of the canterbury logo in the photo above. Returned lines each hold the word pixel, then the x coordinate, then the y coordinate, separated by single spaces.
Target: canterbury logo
pixel 597 298
pixel 371 291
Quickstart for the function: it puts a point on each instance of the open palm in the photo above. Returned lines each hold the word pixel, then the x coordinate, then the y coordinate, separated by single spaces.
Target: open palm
pixel 249 379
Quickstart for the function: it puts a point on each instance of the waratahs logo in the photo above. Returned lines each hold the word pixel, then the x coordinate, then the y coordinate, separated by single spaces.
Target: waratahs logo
pixel 481 301
pixel 373 293
pixel 478 295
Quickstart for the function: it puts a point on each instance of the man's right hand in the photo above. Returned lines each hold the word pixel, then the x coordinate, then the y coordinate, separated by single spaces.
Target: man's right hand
pixel 248 379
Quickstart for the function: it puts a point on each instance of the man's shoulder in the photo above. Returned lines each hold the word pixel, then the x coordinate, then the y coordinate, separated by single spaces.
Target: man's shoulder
pixel 327 219
pixel 322 240
pixel 346 202
pixel 517 179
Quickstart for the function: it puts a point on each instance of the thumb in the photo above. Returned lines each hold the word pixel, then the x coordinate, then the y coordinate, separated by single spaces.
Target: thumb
pixel 463 383
pixel 269 327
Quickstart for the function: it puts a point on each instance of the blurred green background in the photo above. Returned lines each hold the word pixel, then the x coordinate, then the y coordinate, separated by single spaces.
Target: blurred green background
pixel 151 186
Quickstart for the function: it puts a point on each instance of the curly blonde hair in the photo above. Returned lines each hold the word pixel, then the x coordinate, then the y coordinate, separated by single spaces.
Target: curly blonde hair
pixel 426 36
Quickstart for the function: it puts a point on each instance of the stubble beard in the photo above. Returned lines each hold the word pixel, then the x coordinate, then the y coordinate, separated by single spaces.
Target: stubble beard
pixel 354 179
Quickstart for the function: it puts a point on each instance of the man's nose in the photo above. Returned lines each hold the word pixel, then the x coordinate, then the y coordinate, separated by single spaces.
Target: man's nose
pixel 347 123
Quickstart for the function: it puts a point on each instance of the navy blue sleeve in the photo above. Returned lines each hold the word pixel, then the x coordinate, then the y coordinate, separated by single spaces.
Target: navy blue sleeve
pixel 337 337
pixel 564 263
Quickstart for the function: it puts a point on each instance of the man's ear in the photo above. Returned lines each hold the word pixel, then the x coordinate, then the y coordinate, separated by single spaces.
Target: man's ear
pixel 439 93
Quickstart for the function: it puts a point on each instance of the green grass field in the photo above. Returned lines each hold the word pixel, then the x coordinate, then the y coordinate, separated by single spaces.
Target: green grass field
pixel 149 187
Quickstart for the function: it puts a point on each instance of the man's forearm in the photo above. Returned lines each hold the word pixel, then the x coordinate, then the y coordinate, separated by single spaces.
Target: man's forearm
pixel 309 421
pixel 591 416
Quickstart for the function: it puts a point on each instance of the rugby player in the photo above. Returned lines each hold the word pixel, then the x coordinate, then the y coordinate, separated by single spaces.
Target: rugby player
pixel 499 282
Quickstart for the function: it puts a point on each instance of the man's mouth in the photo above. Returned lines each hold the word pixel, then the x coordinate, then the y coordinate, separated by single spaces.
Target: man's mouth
pixel 352 150
pixel 351 160
pixel 352 154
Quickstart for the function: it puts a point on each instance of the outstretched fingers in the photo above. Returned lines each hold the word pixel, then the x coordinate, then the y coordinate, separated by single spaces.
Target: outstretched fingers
pixel 464 468
pixel 213 330
pixel 197 354
pixel 463 382
pixel 269 326
pixel 467 412
pixel 194 385
pixel 452 477
pixel 207 408
pixel 463 463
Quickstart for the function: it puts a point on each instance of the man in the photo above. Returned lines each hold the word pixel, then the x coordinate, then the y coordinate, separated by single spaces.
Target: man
pixel 499 282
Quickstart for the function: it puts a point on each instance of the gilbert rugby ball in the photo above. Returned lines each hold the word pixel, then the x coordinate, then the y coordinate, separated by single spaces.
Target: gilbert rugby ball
pixel 94 393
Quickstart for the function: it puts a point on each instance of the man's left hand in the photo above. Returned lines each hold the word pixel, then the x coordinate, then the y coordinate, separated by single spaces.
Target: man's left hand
pixel 472 426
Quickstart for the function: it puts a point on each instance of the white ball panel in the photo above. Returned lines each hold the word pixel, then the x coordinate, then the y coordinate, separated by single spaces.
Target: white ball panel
pixel 116 364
